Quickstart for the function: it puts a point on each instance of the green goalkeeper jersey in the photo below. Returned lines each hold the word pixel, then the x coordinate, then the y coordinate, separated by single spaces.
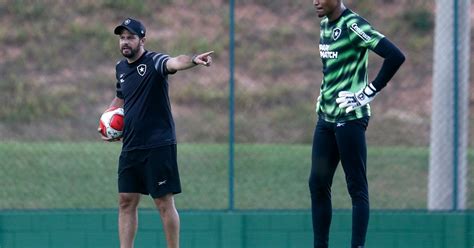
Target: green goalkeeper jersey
pixel 343 48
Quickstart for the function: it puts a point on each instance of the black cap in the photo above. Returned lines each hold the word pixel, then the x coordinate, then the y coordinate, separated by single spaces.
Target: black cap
pixel 133 26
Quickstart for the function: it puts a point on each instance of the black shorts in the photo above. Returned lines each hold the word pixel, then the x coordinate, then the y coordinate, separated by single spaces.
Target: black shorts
pixel 149 171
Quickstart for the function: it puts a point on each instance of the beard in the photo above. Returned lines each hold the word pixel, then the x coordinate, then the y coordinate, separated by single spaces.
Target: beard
pixel 132 52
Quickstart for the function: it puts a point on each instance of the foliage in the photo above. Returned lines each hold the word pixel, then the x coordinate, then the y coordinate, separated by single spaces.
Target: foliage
pixel 420 20
pixel 58 66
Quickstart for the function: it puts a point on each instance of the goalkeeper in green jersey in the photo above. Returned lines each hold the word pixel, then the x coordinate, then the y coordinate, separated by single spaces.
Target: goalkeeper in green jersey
pixel 344 111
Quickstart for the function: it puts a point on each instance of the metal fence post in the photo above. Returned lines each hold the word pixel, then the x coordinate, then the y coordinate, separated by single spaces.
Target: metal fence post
pixel 231 105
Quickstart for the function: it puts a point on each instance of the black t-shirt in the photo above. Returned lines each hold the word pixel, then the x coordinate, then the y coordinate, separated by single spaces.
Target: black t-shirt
pixel 143 85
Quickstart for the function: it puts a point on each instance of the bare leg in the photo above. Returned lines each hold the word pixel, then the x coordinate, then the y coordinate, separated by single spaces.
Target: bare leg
pixel 128 218
pixel 169 218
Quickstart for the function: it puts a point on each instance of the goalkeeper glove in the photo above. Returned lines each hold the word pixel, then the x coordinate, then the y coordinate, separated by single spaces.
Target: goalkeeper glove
pixel 351 101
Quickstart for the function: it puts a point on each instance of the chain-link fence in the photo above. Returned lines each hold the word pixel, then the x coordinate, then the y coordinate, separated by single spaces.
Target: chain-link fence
pixel 58 76
pixel 448 144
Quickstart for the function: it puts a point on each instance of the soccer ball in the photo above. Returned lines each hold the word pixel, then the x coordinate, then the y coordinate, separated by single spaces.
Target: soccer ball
pixel 111 123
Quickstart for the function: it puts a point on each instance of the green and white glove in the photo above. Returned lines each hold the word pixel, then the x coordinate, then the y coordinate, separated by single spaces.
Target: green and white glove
pixel 351 101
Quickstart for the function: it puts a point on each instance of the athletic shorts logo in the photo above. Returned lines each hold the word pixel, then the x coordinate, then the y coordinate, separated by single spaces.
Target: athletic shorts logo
pixel 336 33
pixel 141 69
pixel 161 182
pixel 355 28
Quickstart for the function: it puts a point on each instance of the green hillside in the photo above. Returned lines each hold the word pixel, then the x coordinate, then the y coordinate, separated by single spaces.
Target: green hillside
pixel 58 59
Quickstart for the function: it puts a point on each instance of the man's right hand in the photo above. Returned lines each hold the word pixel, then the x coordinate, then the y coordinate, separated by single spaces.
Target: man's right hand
pixel 106 138
pixel 349 101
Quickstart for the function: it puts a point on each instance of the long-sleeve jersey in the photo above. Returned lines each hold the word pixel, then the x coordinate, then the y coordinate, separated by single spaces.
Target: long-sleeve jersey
pixel 343 48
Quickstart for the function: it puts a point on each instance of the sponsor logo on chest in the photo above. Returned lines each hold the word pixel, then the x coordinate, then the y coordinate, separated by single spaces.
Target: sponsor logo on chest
pixel 326 53
pixel 325 49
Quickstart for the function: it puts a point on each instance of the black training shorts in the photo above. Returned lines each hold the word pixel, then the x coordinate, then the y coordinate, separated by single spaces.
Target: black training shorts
pixel 149 171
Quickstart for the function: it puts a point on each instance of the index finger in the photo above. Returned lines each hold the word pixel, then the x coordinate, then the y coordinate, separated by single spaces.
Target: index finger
pixel 207 53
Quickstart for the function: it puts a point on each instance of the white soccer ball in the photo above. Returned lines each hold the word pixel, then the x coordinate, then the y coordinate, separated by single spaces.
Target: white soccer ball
pixel 111 123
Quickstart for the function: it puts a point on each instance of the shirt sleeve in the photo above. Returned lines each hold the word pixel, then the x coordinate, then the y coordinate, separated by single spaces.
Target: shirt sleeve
pixel 118 87
pixel 159 61
pixel 362 34
pixel 119 91
pixel 393 59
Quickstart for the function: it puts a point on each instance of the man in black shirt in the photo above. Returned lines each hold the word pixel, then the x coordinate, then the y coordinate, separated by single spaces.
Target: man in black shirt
pixel 147 163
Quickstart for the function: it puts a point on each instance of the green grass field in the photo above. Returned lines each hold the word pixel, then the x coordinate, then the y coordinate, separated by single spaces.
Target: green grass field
pixel 267 176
